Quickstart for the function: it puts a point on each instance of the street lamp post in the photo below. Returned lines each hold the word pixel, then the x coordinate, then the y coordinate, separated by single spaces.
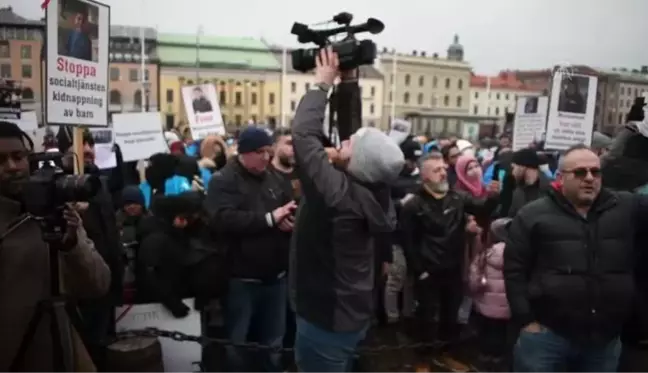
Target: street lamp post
pixel 146 87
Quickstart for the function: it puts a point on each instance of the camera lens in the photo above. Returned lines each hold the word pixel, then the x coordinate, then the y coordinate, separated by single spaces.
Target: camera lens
pixel 77 188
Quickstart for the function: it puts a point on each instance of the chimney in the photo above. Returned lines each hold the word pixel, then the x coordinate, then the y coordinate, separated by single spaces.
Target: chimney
pixel 644 69
pixel 384 49
pixel 414 53
pixel 435 55
pixel 423 53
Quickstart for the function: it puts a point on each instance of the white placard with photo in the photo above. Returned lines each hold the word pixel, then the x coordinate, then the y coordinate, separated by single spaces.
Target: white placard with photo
pixel 139 135
pixel 203 112
pixel 571 111
pixel 105 157
pixel 399 130
pixel 78 32
pixel 530 119
pixel 177 356
pixel 470 131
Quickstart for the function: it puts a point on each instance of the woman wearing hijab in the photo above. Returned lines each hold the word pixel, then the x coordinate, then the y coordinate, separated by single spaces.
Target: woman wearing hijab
pixel 469 176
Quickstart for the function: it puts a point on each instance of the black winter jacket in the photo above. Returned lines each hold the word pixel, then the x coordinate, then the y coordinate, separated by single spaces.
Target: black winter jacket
pixel 164 258
pixel 238 203
pixel 434 230
pixel 333 256
pixel 572 274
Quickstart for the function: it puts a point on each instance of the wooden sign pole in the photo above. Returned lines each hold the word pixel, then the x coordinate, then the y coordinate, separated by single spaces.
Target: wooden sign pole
pixel 77 147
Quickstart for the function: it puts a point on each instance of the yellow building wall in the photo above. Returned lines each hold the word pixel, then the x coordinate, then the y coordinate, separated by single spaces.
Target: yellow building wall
pixel 174 107
pixel 240 99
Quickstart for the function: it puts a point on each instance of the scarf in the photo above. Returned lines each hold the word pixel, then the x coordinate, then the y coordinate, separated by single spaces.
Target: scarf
pixel 472 185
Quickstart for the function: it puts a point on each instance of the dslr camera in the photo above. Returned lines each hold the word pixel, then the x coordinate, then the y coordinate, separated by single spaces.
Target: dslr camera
pixel 49 188
pixel 351 52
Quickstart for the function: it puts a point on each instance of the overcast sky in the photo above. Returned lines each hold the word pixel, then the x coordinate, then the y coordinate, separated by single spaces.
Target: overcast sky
pixel 496 34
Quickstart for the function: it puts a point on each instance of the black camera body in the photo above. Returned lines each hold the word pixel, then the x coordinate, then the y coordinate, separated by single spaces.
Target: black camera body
pixel 49 188
pixel 351 52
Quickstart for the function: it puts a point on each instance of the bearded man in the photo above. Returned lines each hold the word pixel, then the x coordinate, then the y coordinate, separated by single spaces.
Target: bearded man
pixel 434 223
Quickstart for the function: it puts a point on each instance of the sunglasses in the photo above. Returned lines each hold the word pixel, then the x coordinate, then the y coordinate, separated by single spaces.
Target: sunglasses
pixel 582 172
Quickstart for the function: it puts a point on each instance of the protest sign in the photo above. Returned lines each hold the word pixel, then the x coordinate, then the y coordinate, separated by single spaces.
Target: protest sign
pixel 530 119
pixel 399 130
pixel 571 111
pixel 77 62
pixel 105 157
pixel 177 356
pixel 203 112
pixel 139 135
pixel 470 131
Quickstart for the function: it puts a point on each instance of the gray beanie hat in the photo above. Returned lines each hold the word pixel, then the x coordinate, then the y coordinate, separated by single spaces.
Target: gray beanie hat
pixel 375 157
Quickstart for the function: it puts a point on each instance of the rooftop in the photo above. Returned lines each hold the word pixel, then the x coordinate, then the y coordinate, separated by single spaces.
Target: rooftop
pixel 117 31
pixel 217 52
pixel 504 80
pixel 8 17
pixel 628 75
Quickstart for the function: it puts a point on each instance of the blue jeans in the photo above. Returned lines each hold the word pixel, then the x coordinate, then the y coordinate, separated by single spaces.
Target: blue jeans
pixel 546 351
pixel 319 350
pixel 259 307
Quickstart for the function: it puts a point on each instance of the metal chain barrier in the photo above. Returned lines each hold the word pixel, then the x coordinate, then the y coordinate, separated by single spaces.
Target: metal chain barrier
pixel 253 346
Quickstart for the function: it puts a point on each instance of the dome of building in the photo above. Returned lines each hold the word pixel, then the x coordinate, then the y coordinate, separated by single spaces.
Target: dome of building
pixel 456 50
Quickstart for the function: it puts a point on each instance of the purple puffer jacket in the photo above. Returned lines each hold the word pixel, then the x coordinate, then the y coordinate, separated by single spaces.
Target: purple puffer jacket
pixel 487 283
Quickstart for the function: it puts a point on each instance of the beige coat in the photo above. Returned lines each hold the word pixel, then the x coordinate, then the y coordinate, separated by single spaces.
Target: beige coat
pixel 24 281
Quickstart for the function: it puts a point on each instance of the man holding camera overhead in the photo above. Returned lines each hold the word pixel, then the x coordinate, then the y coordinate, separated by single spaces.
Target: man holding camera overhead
pixel 344 207
pixel 24 264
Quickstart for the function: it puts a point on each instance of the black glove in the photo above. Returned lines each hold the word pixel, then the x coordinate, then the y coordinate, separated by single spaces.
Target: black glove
pixel 180 311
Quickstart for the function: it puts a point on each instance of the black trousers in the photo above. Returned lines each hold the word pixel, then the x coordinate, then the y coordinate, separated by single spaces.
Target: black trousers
pixel 439 298
pixel 493 336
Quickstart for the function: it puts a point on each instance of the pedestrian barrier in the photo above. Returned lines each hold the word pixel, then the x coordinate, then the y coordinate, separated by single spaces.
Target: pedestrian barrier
pixel 254 346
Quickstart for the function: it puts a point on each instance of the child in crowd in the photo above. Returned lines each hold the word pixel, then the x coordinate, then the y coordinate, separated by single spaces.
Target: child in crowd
pixel 486 282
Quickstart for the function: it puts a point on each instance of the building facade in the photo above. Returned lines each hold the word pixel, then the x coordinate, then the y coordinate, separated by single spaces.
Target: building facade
pixel 245 72
pixel 133 87
pixel 21 44
pixel 21 41
pixel 296 84
pixel 497 95
pixel 616 91
pixel 431 91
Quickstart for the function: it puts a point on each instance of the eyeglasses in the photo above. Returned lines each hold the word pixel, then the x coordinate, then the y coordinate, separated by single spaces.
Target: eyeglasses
pixel 581 172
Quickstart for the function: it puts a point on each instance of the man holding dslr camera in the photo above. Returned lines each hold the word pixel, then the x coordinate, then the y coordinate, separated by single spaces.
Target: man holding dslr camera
pixel 24 264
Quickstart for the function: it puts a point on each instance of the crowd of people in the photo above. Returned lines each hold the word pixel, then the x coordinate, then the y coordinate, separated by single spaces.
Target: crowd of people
pixel 299 244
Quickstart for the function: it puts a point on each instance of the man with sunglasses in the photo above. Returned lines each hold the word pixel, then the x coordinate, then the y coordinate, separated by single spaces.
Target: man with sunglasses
pixel 568 267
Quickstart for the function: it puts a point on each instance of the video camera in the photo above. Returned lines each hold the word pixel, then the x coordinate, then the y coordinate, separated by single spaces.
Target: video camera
pixel 49 188
pixel 351 52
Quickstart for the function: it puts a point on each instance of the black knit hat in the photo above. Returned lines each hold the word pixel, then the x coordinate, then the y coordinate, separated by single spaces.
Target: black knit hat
pixel 252 139
pixel 411 149
pixel 526 157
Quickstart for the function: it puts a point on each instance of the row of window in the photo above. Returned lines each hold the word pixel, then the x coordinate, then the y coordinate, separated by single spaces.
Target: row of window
pixel 435 81
pixel 488 110
pixel 25 51
pixel 222 98
pixel 433 102
pixel 498 96
pixel 19 33
pixel 133 74
pixel 25 71
pixel 628 91
pixel 307 86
